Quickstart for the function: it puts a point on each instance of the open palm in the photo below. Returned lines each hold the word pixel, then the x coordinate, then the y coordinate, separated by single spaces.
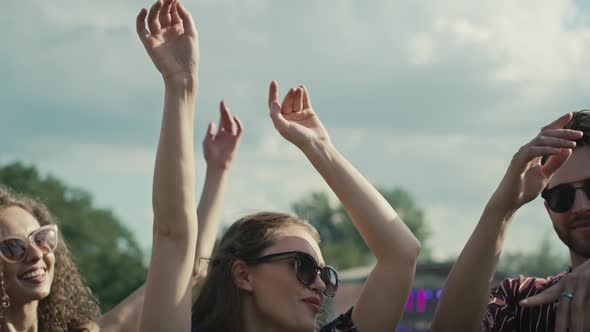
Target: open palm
pixel 172 40
pixel 295 119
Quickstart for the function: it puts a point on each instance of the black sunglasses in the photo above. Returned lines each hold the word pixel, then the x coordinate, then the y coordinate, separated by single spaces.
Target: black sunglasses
pixel 306 267
pixel 561 197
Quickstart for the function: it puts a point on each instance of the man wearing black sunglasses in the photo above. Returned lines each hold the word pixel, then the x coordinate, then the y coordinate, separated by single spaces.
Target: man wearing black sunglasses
pixel 555 165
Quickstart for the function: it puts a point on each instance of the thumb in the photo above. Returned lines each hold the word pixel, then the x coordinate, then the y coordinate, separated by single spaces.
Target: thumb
pixel 549 296
pixel 277 117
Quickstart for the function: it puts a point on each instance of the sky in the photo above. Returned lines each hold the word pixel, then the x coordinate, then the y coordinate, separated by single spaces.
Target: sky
pixel 431 96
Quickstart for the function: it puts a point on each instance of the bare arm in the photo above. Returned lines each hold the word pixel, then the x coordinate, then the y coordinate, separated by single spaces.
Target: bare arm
pixel 384 295
pixel 461 310
pixel 172 46
pixel 219 150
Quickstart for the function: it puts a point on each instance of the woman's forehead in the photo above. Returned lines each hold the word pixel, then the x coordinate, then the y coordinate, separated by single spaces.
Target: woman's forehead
pixel 14 220
pixel 295 239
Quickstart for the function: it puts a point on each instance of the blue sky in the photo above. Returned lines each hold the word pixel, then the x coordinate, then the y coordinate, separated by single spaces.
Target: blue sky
pixel 430 95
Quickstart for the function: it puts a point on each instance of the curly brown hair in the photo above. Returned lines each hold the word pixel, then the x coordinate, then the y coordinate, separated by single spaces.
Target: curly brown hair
pixel 70 303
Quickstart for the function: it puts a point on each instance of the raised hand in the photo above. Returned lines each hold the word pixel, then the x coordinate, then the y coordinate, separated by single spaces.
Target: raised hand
pixel 526 177
pixel 295 119
pixel 219 148
pixel 172 40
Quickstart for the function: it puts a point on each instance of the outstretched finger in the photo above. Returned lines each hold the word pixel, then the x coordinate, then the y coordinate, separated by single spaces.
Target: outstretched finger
pixel 140 26
pixel 555 142
pixel 550 295
pixel 187 20
pixel 226 120
pixel 531 152
pixel 568 134
pixel 239 125
pixel 306 100
pixel 153 21
pixel 273 93
pixel 559 123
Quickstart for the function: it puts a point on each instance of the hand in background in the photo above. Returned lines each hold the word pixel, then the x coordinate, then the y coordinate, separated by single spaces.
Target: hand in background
pixel 219 148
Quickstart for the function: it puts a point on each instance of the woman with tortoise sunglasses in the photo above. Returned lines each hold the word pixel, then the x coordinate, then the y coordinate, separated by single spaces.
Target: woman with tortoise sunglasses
pixel 268 273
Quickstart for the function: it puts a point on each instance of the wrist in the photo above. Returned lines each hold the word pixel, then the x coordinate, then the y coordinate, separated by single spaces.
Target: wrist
pixel 500 209
pixel 185 83
pixel 315 146
pixel 316 150
pixel 216 171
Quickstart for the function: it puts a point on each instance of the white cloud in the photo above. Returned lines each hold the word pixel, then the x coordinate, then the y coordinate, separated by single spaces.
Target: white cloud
pixel 433 96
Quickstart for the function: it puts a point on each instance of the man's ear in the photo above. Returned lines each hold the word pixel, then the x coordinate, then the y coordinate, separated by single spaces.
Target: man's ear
pixel 241 274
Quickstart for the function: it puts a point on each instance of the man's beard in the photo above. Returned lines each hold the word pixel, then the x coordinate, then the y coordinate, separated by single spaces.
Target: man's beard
pixel 580 247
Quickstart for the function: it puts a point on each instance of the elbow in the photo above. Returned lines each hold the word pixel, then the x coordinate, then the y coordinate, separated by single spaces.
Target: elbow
pixel 415 248
pixel 176 222
pixel 406 254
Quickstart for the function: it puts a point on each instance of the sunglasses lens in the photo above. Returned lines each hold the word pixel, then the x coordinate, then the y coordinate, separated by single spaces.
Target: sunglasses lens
pixel 561 198
pixel 330 278
pixel 306 269
pixel 46 240
pixel 587 188
pixel 13 250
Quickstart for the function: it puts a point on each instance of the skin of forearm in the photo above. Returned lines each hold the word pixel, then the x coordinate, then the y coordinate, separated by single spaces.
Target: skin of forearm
pixel 175 218
pixel 208 214
pixel 379 225
pixel 464 310
pixel 174 175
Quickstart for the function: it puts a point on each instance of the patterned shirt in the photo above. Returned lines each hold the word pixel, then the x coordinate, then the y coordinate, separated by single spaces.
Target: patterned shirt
pixel 504 314
pixel 342 323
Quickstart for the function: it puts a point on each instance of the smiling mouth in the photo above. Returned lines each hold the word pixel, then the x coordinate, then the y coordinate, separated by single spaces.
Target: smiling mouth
pixel 35 276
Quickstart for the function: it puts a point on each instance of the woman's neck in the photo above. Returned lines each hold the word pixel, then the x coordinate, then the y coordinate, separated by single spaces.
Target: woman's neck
pixel 254 321
pixel 22 317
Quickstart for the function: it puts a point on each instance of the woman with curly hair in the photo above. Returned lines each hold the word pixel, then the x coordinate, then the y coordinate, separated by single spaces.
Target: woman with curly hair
pixel 40 285
pixel 40 288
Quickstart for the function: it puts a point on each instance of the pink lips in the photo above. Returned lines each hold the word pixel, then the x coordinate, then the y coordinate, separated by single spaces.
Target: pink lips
pixel 37 279
pixel 313 303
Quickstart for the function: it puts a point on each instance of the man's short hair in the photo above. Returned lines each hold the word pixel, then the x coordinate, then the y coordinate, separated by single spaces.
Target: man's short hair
pixel 581 122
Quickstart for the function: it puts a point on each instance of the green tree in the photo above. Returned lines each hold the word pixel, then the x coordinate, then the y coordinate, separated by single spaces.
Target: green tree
pixel 341 245
pixel 104 250
pixel 544 261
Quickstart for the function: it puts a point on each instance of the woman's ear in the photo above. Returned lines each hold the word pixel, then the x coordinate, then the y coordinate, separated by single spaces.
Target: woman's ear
pixel 242 275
